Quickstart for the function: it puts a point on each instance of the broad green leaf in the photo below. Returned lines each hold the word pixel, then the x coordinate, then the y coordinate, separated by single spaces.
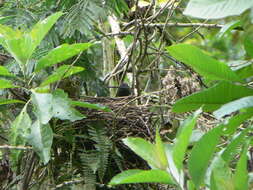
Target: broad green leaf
pixel 4 72
pixel 241 173
pixel 41 139
pixel 62 72
pixel 62 108
pixel 211 98
pixel 144 149
pixel 202 63
pixel 7 33
pixel 18 133
pixel 233 106
pixel 248 46
pixel 60 54
pixel 183 138
pixel 40 30
pixel 231 125
pixel 6 84
pixel 228 27
pixel 221 177
pixel 56 105
pixel 160 152
pixel 201 154
pixel 246 71
pixel 91 106
pixel 43 106
pixel 215 9
pixel 10 101
pixel 190 185
pixel 142 176
pixel 21 45
pixel 231 149
pixel 20 48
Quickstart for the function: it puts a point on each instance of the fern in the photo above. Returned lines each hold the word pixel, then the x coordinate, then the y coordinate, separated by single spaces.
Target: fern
pixel 96 161
pixel 84 16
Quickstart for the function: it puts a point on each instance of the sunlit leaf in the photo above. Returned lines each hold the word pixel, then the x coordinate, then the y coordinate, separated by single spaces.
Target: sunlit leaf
pixel 230 107
pixel 62 108
pixel 18 133
pixel 142 176
pixel 60 54
pixel 41 138
pixel 10 101
pixel 211 98
pixel 214 9
pixel 241 173
pixel 144 149
pixel 221 177
pixel 4 72
pixel 202 63
pixel 40 30
pixel 6 84
pixel 62 72
pixel 232 123
pixel 43 104
pixel 183 138
pixel 228 27
pixel 160 152
pixel 201 155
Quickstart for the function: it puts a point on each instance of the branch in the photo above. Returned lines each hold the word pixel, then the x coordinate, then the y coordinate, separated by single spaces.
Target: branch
pixel 181 25
pixel 5 146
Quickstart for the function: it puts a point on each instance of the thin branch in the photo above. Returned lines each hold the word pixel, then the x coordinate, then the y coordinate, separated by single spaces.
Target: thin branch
pixel 15 147
pixel 203 25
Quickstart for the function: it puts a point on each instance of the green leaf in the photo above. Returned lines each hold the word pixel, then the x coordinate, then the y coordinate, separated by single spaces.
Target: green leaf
pixel 248 46
pixel 10 101
pixel 7 33
pixel 233 106
pixel 201 154
pixel 4 72
pixel 202 63
pixel 221 177
pixel 18 133
pixel 40 30
pixel 62 72
pixel 241 173
pixel 142 176
pixel 41 139
pixel 91 106
pixel 43 103
pixel 214 9
pixel 183 138
pixel 230 151
pixel 144 149
pixel 228 27
pixel 231 125
pixel 160 152
pixel 21 45
pixel 245 71
pixel 62 108
pixel 6 84
pixel 56 105
pixel 60 54
pixel 21 48
pixel 211 98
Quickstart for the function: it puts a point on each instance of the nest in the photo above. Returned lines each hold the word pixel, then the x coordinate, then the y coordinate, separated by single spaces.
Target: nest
pixel 126 118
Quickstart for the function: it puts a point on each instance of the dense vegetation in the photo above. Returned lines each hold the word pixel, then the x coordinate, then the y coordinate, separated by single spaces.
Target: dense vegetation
pixel 65 122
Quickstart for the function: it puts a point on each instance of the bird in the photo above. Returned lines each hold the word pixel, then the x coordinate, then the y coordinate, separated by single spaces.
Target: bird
pixel 123 90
